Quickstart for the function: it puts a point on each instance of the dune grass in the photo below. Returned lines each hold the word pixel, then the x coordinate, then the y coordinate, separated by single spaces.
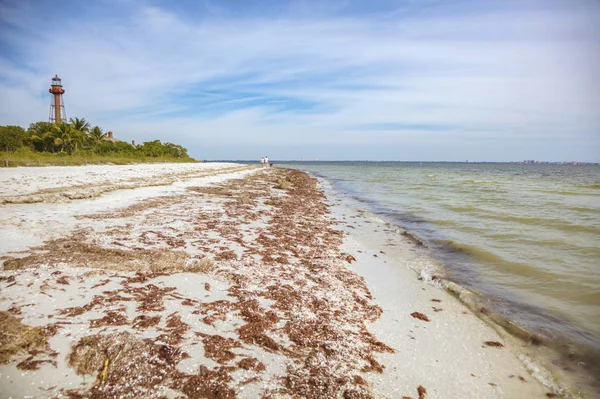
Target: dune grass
pixel 27 157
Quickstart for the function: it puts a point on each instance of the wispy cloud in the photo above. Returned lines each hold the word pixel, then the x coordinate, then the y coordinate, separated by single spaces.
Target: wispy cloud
pixel 341 80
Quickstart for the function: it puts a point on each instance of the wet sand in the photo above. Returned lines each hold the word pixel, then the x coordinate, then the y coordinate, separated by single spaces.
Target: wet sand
pixel 228 281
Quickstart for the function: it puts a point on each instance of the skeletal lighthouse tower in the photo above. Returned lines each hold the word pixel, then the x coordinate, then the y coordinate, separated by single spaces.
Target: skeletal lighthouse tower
pixel 57 106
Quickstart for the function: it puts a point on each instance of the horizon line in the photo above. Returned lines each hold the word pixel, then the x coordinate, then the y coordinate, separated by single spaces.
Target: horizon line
pixel 524 162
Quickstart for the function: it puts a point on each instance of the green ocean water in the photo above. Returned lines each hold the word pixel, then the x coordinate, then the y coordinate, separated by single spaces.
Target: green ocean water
pixel 528 236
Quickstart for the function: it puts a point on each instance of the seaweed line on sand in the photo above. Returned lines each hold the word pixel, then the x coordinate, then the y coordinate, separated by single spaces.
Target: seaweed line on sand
pixel 269 240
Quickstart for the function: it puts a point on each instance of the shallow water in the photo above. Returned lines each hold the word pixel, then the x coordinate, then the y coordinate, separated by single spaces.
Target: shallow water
pixel 526 235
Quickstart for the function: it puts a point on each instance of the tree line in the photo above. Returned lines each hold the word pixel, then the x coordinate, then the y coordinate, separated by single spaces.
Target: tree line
pixel 78 137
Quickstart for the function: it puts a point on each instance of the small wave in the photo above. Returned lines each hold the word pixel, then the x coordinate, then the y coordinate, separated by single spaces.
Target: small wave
pixel 444 222
pixel 471 250
pixel 570 193
pixel 505 236
pixel 587 250
pixel 493 190
pixel 578 229
pixel 590 186
pixel 428 271
pixel 520 219
pixel 375 218
pixel 555 224
pixel 584 209
pixel 500 265
pixel 465 209
pixel 540 373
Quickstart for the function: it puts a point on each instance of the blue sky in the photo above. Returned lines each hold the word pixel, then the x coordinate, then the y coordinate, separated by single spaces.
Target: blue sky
pixel 333 80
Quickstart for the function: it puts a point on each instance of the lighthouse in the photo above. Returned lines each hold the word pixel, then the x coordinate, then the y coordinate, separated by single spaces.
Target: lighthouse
pixel 57 106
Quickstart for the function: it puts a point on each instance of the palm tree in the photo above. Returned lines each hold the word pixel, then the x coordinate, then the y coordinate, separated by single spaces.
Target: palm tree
pixel 47 140
pixel 96 136
pixel 80 124
pixel 63 135
pixel 79 134
pixel 41 135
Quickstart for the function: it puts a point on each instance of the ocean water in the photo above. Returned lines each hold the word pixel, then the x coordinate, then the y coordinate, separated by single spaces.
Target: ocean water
pixel 525 236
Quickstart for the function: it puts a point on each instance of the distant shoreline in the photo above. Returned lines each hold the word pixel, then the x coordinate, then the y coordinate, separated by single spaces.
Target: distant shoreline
pixel 292 162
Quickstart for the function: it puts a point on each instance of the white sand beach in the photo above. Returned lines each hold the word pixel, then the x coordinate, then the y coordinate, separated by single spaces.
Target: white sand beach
pixel 225 280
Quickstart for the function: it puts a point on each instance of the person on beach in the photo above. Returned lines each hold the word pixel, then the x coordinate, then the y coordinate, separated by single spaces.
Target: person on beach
pixel 262 161
pixel 266 161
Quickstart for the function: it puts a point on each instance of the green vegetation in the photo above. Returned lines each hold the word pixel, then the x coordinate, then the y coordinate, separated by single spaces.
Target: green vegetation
pixel 78 143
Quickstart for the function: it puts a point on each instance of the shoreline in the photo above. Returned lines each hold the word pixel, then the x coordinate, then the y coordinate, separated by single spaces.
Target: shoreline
pixel 575 363
pixel 480 224
pixel 242 284
pixel 556 364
